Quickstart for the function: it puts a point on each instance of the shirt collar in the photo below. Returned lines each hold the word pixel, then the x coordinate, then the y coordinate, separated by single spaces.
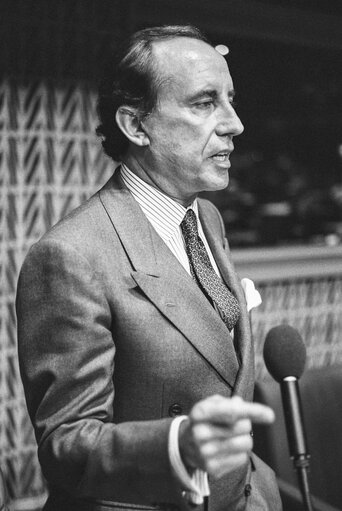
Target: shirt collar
pixel 164 213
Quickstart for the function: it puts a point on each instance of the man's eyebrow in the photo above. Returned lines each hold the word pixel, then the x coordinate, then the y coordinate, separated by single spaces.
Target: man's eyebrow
pixel 212 93
pixel 204 93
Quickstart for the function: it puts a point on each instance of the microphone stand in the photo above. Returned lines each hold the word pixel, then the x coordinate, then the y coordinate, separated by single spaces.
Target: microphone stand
pixel 296 436
pixel 302 474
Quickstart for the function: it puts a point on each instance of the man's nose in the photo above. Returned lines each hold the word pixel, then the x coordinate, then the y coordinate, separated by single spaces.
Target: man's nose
pixel 229 124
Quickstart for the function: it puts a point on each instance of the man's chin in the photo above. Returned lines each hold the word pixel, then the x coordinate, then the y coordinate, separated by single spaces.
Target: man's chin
pixel 218 184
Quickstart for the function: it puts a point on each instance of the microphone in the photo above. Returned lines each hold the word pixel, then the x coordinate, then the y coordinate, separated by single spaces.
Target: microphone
pixel 285 355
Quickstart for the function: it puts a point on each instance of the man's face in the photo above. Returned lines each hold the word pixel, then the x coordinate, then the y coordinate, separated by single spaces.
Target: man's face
pixel 191 129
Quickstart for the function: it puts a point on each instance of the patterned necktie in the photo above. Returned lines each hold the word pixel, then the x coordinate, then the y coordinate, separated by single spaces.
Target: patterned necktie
pixel 204 273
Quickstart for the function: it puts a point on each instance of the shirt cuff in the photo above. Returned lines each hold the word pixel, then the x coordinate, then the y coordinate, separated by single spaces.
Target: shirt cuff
pixel 196 485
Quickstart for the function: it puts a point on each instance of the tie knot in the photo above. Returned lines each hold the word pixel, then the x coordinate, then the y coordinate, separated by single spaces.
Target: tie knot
pixel 189 224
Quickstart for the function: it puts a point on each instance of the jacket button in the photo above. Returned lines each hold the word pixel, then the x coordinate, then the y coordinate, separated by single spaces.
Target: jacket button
pixel 175 410
pixel 248 490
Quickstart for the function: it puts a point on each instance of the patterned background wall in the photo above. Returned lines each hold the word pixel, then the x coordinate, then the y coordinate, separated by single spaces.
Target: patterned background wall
pixel 50 161
pixel 313 306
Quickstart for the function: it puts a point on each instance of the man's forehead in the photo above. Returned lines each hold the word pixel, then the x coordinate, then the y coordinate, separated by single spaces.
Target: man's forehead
pixel 184 58
pixel 186 47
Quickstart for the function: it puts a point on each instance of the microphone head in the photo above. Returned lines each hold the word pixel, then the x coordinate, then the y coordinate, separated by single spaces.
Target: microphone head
pixel 284 352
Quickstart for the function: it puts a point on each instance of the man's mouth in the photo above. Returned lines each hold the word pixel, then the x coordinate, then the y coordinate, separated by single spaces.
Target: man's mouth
pixel 221 156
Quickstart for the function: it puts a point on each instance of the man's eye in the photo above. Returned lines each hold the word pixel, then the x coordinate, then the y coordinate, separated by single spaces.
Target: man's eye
pixel 204 104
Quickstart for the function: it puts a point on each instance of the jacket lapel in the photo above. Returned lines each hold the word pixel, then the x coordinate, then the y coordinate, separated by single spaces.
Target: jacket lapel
pixel 243 341
pixel 167 284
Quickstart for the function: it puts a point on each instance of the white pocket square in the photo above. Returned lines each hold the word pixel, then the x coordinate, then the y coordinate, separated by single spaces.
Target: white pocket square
pixel 252 296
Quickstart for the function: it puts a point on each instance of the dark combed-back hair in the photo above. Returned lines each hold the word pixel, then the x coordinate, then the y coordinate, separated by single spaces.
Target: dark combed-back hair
pixel 132 79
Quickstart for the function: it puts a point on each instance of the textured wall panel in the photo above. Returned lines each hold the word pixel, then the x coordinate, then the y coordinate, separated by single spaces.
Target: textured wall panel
pixel 50 162
pixel 313 307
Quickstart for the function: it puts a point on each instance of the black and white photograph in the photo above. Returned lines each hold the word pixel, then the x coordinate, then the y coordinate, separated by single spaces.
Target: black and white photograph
pixel 171 255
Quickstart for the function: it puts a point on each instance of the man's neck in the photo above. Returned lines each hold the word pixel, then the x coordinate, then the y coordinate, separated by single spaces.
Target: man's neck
pixel 139 170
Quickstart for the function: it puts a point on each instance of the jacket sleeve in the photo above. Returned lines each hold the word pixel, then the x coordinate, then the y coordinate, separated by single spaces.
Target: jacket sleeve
pixel 66 356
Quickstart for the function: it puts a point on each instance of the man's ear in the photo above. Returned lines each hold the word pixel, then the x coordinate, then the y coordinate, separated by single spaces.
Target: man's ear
pixel 129 123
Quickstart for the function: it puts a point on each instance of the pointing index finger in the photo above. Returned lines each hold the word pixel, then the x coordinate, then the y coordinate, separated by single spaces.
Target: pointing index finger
pixel 227 411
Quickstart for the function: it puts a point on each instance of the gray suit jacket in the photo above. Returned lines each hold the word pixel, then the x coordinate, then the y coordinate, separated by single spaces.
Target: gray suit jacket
pixel 114 340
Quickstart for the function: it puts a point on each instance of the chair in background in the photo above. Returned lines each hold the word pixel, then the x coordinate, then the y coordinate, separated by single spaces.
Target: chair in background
pixel 321 396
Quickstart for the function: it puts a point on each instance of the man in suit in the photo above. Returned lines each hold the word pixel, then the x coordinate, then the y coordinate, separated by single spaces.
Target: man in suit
pixel 134 341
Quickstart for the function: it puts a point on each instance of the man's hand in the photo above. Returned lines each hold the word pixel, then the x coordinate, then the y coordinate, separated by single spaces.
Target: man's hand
pixel 217 435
